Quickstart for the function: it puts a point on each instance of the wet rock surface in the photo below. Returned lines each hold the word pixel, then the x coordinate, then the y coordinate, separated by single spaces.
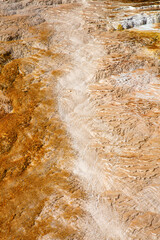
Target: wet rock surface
pixel 79 120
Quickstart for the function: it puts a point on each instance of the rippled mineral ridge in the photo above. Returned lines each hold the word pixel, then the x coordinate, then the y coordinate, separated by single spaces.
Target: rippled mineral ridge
pixel 79 120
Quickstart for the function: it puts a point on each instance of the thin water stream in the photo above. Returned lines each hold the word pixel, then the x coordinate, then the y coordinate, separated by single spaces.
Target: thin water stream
pixel 77 111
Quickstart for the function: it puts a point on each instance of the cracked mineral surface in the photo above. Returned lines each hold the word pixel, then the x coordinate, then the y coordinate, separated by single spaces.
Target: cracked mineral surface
pixel 79 120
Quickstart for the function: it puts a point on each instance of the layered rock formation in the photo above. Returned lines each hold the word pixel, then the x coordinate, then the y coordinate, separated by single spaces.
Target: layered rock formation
pixel 79 120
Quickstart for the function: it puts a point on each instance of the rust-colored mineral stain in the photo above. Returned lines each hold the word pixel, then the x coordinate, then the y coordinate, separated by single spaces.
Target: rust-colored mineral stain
pixel 40 194
pixel 27 178
pixel 145 37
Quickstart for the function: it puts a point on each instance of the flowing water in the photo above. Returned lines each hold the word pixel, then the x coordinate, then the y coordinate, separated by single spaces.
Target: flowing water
pixel 78 111
pixel 94 105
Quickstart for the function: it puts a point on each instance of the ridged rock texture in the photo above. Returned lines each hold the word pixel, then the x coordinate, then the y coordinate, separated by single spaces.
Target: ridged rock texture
pixel 79 120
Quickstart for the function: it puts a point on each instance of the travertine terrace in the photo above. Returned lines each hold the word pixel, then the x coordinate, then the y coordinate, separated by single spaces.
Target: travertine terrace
pixel 79 120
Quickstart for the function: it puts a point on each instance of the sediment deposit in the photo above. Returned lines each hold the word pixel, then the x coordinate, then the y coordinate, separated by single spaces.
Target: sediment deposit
pixel 79 120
